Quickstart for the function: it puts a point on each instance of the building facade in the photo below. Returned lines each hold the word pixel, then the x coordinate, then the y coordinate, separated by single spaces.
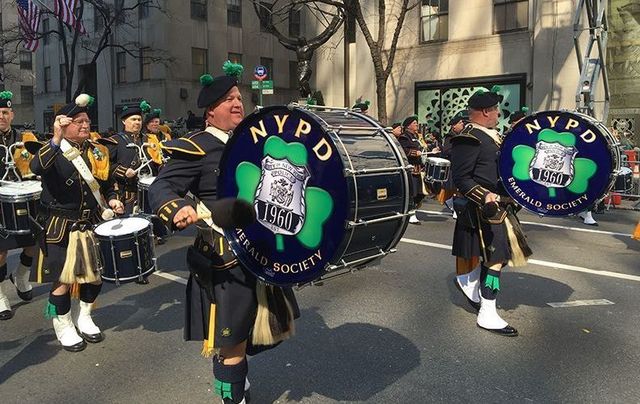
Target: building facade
pixel 17 70
pixel 175 45
pixel 449 49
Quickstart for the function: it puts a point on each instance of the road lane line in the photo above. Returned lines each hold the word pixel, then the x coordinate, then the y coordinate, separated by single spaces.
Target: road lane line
pixel 553 226
pixel 541 263
pixel 171 277
pixel 577 303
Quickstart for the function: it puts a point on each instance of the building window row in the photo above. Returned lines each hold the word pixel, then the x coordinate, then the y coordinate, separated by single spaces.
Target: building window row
pixel 510 15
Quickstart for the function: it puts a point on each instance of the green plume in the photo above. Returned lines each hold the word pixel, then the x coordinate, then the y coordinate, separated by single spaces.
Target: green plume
pixel 92 101
pixel 126 107
pixel 367 103
pixel 232 69
pixel 311 101
pixel 157 111
pixel 480 91
pixel 145 107
pixel 524 109
pixel 496 89
pixel 206 80
pixel 6 95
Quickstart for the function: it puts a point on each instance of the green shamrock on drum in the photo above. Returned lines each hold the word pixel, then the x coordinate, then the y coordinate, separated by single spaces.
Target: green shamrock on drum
pixel 553 163
pixel 278 190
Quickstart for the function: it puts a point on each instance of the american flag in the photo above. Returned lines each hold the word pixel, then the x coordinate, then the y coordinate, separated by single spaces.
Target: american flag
pixel 64 10
pixel 29 18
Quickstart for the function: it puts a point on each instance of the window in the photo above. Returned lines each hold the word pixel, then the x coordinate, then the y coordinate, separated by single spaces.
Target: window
pixel 234 13
pixel 145 63
pixel 25 60
pixel 199 9
pixel 510 15
pixel 119 13
pixel 47 79
pixel 45 31
pixel 198 63
pixel 268 63
pixel 121 67
pixel 265 15
pixel 26 95
pixel 235 57
pixel 63 77
pixel 293 74
pixel 434 19
pixel 294 22
pixel 143 10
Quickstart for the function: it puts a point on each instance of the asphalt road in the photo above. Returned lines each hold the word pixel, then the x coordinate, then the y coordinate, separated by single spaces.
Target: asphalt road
pixel 396 332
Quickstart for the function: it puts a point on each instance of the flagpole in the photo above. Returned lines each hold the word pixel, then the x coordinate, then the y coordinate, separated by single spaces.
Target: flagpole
pixel 45 6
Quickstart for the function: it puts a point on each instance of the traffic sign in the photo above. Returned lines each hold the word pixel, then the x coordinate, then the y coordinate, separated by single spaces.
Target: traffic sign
pixel 260 71
pixel 266 84
pixel 267 91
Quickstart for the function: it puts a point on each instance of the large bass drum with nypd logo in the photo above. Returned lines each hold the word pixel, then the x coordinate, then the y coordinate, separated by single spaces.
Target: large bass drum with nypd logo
pixel 330 190
pixel 558 163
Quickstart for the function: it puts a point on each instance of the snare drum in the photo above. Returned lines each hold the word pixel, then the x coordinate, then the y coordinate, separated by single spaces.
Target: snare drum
pixel 143 194
pixel 331 192
pixel 436 169
pixel 127 249
pixel 624 180
pixel 558 163
pixel 18 205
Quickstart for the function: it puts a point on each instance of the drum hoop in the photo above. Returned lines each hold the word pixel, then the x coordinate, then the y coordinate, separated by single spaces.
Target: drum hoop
pixel 33 196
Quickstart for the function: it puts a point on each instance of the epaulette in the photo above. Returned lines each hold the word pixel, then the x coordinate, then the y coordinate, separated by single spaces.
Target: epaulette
pixel 33 146
pixel 107 141
pixel 193 144
pixel 466 134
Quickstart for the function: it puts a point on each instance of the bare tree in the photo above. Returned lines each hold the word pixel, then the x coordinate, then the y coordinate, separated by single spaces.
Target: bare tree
pixel 382 57
pixel 72 40
pixel 274 16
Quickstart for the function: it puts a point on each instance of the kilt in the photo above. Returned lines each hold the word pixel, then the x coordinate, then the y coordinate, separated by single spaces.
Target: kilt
pixel 467 243
pixel 236 304
pixel 52 255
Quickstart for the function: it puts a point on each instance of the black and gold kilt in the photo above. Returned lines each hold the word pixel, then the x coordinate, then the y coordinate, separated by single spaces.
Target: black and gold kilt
pixel 14 241
pixel 52 254
pixel 232 292
pixel 468 244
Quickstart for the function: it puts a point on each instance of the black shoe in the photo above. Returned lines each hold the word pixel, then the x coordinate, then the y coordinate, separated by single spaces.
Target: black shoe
pixel 26 296
pixel 142 281
pixel 507 331
pixel 92 338
pixel 6 315
pixel 475 305
pixel 80 346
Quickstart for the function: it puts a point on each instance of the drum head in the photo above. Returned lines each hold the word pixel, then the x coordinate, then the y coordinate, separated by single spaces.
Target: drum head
pixel 146 181
pixel 21 188
pixel 121 227
pixel 284 163
pixel 557 162
pixel 437 161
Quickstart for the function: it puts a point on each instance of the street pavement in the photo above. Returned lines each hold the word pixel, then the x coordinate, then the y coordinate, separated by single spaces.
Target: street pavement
pixel 398 332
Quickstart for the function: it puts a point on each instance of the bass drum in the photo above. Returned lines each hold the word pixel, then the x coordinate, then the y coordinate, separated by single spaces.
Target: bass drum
pixel 558 163
pixel 330 190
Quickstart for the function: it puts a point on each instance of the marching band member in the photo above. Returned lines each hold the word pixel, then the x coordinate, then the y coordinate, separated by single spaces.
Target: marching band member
pixel 363 106
pixel 517 116
pixel 488 227
pixel 153 136
pixel 412 148
pixel 222 308
pixel 20 278
pixel 75 176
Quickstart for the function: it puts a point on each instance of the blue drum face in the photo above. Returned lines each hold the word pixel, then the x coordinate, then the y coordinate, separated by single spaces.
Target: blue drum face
pixel 556 163
pixel 285 164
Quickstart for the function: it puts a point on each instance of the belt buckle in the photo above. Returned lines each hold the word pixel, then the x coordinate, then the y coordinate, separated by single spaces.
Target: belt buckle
pixel 85 214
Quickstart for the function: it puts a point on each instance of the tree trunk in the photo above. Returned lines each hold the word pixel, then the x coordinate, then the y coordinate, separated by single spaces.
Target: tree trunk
pixel 381 92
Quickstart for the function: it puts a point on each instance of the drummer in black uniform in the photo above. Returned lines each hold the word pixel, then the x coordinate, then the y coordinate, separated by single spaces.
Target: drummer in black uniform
pixel 413 149
pixel 20 278
pixel 75 173
pixel 221 307
pixel 487 228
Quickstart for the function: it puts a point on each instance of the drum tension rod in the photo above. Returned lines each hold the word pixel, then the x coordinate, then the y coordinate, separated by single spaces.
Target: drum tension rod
pixel 348 171
pixel 345 264
pixel 362 222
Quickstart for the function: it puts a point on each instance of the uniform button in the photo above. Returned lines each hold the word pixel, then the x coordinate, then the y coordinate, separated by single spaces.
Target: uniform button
pixel 84 193
pixel 84 204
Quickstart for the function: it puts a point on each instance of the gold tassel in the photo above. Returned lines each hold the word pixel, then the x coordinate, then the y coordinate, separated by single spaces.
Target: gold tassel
pixel 68 271
pixel 518 259
pixel 208 345
pixel 75 291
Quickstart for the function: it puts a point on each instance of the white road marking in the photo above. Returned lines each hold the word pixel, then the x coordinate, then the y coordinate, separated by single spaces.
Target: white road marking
pixel 576 303
pixel 553 226
pixel 171 277
pixel 549 264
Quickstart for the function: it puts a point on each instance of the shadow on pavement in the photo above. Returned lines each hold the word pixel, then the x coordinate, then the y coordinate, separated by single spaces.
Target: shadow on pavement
pixel 351 362
pixel 37 352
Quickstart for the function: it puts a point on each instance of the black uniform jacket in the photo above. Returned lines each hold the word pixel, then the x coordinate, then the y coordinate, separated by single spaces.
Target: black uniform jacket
pixel 474 163
pixel 193 166
pixel 63 188
pixel 122 158
pixel 412 148
pixel 7 139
